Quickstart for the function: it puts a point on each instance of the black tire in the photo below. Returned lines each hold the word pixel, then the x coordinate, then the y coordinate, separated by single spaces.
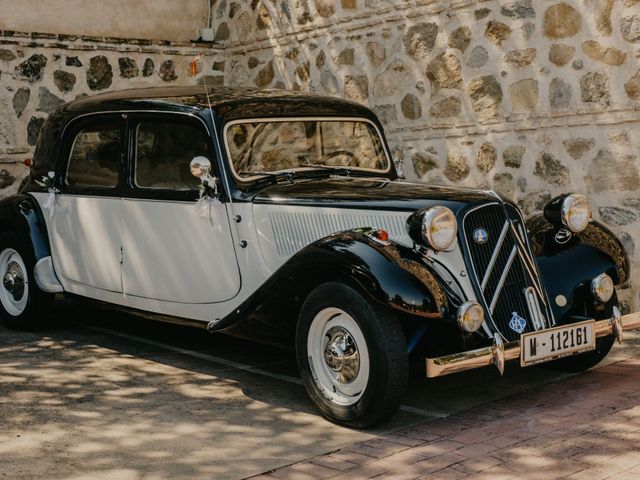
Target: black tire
pixel 584 361
pixel 29 312
pixel 385 348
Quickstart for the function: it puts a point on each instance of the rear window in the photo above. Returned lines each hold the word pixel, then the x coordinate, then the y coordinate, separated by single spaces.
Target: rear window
pixel 95 157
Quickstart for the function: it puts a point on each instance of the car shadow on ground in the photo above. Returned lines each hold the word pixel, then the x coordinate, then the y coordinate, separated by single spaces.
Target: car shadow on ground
pixel 87 395
pixel 77 398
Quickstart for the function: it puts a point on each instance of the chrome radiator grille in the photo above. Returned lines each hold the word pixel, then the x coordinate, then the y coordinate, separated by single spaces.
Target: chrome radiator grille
pixel 504 272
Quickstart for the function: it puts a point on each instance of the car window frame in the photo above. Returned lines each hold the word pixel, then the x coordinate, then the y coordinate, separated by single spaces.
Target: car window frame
pixel 136 191
pixel 248 179
pixel 71 132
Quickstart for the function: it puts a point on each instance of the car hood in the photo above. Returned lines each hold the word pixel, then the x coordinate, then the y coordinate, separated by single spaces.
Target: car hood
pixel 373 193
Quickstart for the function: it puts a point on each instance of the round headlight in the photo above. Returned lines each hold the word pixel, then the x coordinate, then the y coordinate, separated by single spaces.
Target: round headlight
pixel 602 287
pixel 576 212
pixel 470 317
pixel 439 228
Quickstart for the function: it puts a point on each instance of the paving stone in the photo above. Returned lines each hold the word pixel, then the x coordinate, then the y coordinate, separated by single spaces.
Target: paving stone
pixel 596 435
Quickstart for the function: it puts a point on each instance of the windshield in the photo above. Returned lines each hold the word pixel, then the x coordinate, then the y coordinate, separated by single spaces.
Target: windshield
pixel 256 147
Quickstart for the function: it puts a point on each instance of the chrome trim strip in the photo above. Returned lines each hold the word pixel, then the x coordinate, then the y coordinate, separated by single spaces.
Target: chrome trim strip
pixel 533 279
pixel 483 357
pixel 551 320
pixel 503 278
pixel 534 308
pixel 494 257
pixel 528 263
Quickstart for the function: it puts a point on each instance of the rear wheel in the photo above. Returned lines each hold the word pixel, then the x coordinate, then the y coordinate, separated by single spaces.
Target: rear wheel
pixel 22 303
pixel 352 356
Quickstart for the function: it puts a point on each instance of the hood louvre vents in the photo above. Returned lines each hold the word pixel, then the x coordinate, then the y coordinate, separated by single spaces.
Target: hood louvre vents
pixel 295 230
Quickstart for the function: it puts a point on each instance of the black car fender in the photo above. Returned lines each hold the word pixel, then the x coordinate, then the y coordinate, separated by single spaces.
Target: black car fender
pixel 569 262
pixel 22 214
pixel 393 275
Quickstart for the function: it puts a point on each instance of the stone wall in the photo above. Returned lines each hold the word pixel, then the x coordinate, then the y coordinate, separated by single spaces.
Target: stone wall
pixel 530 98
pixel 39 72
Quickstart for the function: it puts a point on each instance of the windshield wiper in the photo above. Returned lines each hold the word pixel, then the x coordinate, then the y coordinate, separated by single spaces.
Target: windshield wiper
pixel 275 176
pixel 332 168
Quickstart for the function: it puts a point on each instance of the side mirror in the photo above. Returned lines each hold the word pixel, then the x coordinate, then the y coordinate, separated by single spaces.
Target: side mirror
pixel 200 167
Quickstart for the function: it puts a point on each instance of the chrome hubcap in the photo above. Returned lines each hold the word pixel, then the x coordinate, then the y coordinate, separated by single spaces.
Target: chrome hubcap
pixel 338 356
pixel 341 354
pixel 14 292
pixel 13 281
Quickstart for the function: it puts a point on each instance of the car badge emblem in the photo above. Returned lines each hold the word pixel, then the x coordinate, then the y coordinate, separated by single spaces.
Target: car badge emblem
pixel 563 236
pixel 480 235
pixel 517 323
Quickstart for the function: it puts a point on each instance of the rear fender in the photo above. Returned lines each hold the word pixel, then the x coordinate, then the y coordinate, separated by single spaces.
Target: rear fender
pixel 22 214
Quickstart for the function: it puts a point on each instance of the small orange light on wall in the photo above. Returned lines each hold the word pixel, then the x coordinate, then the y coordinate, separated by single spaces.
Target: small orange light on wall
pixel 27 162
pixel 195 67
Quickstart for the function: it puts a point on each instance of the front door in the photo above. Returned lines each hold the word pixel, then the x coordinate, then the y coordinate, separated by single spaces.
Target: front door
pixel 86 222
pixel 170 253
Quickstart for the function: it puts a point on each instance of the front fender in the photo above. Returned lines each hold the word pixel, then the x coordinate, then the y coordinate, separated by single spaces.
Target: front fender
pixel 569 264
pixel 390 274
pixel 22 214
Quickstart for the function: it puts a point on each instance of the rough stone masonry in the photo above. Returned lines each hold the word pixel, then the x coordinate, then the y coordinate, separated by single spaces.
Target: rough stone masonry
pixel 529 98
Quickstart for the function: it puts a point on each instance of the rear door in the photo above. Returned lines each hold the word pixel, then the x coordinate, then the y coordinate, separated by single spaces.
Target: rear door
pixel 171 254
pixel 86 226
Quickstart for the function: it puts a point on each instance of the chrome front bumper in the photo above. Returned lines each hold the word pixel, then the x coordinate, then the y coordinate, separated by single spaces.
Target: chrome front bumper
pixel 499 352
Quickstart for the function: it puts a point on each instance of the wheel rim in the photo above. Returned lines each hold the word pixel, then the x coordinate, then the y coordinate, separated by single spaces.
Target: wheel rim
pixel 14 291
pixel 338 356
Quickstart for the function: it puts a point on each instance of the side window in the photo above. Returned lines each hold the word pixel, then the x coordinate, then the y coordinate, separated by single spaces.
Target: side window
pixel 164 150
pixel 95 157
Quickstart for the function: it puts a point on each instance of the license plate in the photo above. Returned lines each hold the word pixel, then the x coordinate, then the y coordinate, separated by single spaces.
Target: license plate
pixel 538 347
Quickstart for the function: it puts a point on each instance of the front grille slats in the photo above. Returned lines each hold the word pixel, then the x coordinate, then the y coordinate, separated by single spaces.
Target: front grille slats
pixel 511 297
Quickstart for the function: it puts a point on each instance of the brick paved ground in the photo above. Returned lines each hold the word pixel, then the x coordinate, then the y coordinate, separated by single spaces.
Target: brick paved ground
pixel 586 427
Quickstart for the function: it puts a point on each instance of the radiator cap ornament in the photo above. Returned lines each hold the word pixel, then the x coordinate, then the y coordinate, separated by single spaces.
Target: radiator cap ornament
pixel 517 323
pixel 480 235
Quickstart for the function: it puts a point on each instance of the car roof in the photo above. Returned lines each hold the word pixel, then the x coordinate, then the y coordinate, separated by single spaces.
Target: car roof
pixel 227 103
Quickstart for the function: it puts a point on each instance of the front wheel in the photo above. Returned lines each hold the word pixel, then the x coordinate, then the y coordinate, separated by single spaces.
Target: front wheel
pixel 22 304
pixel 352 356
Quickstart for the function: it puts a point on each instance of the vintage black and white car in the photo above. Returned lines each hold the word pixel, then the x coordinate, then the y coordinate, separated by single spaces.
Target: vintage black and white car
pixel 280 217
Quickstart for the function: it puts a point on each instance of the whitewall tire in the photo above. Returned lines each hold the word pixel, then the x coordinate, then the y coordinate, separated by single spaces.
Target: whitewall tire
pixel 23 305
pixel 352 356
pixel 15 282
